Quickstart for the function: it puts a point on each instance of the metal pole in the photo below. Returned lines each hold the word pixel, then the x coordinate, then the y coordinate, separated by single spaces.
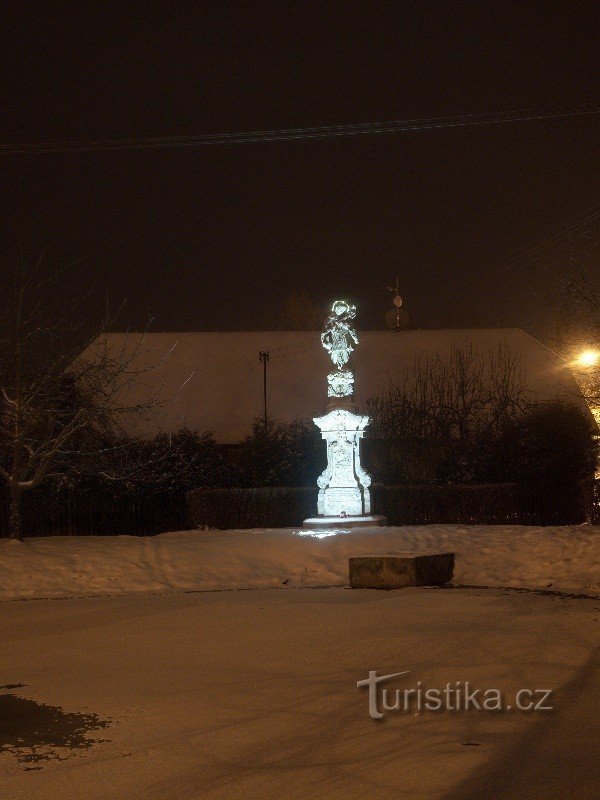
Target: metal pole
pixel 264 357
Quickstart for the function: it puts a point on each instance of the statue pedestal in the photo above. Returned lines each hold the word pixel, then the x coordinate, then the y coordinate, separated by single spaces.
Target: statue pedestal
pixel 366 521
pixel 344 498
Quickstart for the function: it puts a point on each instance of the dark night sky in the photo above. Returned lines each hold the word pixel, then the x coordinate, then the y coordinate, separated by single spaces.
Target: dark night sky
pixel 209 237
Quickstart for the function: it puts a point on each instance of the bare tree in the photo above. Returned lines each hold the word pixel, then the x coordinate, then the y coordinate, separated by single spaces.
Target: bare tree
pixel 437 419
pixel 54 406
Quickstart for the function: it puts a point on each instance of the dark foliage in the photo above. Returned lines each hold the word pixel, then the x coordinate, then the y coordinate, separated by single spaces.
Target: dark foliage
pixel 179 462
pixel 527 468
pixel 126 486
pixel 549 443
pixel 438 425
pixel 485 504
pixel 281 455
pixel 545 443
pixel 97 509
pixel 266 507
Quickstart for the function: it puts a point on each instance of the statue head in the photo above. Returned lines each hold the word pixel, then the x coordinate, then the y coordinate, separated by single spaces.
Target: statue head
pixel 342 309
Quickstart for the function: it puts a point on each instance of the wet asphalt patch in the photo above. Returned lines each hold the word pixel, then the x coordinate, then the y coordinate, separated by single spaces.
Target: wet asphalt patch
pixel 34 732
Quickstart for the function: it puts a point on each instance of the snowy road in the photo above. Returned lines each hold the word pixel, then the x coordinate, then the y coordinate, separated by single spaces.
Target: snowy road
pixel 252 694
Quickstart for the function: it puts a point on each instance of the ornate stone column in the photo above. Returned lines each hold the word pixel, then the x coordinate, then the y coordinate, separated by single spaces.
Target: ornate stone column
pixel 344 498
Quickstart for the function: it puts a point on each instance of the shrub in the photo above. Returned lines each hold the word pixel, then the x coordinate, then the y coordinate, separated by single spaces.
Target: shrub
pixel 438 425
pixel 468 420
pixel 408 504
pixel 549 443
pixel 266 507
pixel 281 455
pixel 183 461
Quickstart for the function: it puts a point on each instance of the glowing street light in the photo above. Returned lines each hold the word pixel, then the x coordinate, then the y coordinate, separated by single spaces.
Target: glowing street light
pixel 588 358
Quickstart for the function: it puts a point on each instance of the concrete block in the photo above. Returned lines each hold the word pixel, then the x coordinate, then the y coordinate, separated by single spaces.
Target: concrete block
pixel 397 570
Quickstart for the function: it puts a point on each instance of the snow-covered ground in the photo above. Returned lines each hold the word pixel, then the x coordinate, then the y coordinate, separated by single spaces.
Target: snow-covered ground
pixel 558 558
pixel 253 696
pixel 237 695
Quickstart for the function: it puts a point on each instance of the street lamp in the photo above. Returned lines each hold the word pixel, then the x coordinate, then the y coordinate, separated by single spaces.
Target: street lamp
pixel 588 358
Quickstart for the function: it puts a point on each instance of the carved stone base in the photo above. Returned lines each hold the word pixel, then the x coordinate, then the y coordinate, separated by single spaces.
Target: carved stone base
pixel 366 521
pixel 343 485
pixel 335 501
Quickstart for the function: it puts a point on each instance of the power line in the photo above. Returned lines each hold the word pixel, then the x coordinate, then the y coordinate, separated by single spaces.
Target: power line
pixel 530 252
pixel 581 220
pixel 286 134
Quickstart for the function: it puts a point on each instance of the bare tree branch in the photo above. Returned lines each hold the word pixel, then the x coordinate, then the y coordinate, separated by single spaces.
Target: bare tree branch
pixel 55 407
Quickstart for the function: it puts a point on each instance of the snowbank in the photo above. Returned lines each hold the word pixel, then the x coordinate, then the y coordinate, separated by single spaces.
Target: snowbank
pixel 557 558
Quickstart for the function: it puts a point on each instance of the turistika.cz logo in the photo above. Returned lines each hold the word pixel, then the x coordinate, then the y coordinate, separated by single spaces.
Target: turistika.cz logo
pixel 454 696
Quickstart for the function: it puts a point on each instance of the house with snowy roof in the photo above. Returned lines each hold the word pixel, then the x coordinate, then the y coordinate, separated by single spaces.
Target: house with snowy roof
pixel 214 381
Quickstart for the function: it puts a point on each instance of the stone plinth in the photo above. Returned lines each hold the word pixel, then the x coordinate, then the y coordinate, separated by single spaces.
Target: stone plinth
pixel 343 484
pixel 398 570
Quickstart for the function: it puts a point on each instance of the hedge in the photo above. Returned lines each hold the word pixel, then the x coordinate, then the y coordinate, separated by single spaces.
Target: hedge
pixel 96 512
pixel 268 507
pixel 92 512
pixel 407 504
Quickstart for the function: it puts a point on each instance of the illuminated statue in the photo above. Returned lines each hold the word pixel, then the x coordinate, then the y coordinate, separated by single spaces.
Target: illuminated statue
pixel 343 484
pixel 338 335
pixel 344 495
pixel 341 384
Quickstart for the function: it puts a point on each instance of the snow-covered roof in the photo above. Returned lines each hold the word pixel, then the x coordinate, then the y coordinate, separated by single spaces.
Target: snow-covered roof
pixel 213 381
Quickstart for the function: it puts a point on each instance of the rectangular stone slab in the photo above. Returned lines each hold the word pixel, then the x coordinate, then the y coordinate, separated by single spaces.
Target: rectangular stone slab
pixel 397 570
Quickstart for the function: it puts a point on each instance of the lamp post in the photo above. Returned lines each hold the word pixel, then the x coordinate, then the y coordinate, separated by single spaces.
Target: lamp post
pixel 586 368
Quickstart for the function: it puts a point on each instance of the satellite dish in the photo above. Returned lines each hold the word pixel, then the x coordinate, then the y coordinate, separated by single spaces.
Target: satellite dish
pixel 394 318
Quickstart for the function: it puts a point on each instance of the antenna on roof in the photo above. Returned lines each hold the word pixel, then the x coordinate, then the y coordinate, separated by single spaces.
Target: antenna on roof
pixel 264 357
pixel 397 301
